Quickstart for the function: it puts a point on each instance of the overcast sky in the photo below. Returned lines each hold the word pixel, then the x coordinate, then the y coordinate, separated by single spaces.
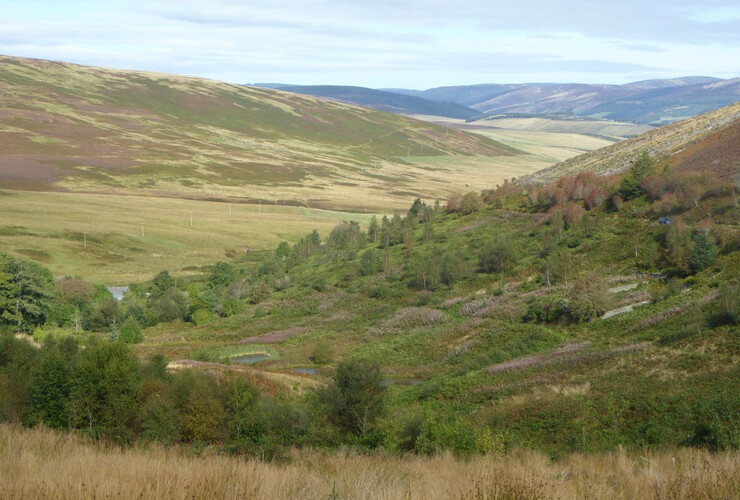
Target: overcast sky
pixel 385 43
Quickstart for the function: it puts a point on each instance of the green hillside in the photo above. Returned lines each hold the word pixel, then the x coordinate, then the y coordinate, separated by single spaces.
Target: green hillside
pixel 69 127
pixel 561 318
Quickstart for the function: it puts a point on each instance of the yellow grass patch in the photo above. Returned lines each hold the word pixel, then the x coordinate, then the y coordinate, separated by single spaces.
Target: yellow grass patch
pixel 49 228
pixel 43 464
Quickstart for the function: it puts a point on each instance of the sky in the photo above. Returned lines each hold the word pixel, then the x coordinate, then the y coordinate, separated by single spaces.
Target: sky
pixel 415 44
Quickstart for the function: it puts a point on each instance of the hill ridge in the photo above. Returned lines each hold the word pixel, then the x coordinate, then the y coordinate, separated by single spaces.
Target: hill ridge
pixel 660 143
pixel 74 127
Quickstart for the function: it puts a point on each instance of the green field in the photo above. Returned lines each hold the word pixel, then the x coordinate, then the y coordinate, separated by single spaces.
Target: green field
pixel 48 228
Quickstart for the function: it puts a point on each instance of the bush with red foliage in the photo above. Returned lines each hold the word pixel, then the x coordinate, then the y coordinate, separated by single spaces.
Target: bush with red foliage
pixel 573 214
pixel 654 186
pixel 554 195
pixel 666 205
pixel 595 197
pixel 453 202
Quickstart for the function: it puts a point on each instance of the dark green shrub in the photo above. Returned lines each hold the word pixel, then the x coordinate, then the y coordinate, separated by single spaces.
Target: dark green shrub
pixel 323 353
pixel 454 267
pixel 162 282
pixel 356 396
pixel 543 311
pixel 704 252
pixel 221 275
pixel 49 391
pixel 589 298
pixel 631 185
pixel 161 421
pixel 130 332
pixel 260 293
pixel 497 256
pixel 105 389
pixel 231 307
pixel 369 262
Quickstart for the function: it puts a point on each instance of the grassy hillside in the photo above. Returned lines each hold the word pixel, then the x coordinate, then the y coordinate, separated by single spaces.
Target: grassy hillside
pixel 661 143
pixel 69 127
pixel 577 335
pixel 562 319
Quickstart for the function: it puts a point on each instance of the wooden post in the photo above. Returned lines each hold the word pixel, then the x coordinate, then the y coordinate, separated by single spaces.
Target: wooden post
pixel 191 219
pixel 84 236
pixel 142 229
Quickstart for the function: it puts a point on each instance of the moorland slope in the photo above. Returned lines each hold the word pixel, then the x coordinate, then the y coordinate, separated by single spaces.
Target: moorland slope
pixel 716 132
pixel 70 127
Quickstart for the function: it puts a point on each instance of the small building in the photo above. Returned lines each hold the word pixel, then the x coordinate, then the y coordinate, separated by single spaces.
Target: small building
pixel 118 292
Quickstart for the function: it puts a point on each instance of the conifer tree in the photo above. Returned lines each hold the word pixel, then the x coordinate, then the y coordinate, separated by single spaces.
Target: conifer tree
pixel 704 252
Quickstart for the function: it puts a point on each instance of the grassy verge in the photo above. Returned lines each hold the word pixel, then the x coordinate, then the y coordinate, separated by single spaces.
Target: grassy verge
pixel 40 463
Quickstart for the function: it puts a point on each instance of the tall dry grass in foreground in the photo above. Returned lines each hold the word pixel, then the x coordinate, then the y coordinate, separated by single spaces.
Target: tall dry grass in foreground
pixel 44 464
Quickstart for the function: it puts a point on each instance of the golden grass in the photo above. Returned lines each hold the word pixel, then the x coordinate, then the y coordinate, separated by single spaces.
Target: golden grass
pixel 44 464
pixel 48 227
pixel 542 143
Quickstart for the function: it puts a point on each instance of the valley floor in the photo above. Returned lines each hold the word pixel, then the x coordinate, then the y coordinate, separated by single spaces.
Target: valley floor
pixel 40 463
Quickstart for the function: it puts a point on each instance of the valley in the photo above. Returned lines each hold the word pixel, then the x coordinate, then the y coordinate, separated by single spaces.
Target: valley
pixel 326 300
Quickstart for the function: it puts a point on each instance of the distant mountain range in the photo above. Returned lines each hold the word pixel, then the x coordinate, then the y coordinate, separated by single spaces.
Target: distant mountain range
pixel 653 102
pixel 395 102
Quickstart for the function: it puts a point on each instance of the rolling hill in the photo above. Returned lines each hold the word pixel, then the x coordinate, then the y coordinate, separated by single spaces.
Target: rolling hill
pixel 78 128
pixel 382 100
pixel 712 139
pixel 650 102
pixel 654 102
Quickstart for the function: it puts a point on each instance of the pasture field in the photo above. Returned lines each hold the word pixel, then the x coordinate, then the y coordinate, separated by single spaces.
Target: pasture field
pixel 48 227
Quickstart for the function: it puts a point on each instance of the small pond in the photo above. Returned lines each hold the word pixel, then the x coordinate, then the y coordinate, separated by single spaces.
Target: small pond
pixel 402 381
pixel 305 370
pixel 249 359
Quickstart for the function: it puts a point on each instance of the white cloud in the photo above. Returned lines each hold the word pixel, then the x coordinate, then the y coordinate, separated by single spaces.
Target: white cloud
pixel 413 43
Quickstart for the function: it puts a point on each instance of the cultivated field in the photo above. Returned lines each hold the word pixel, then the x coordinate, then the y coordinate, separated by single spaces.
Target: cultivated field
pixel 48 228
pixel 44 464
